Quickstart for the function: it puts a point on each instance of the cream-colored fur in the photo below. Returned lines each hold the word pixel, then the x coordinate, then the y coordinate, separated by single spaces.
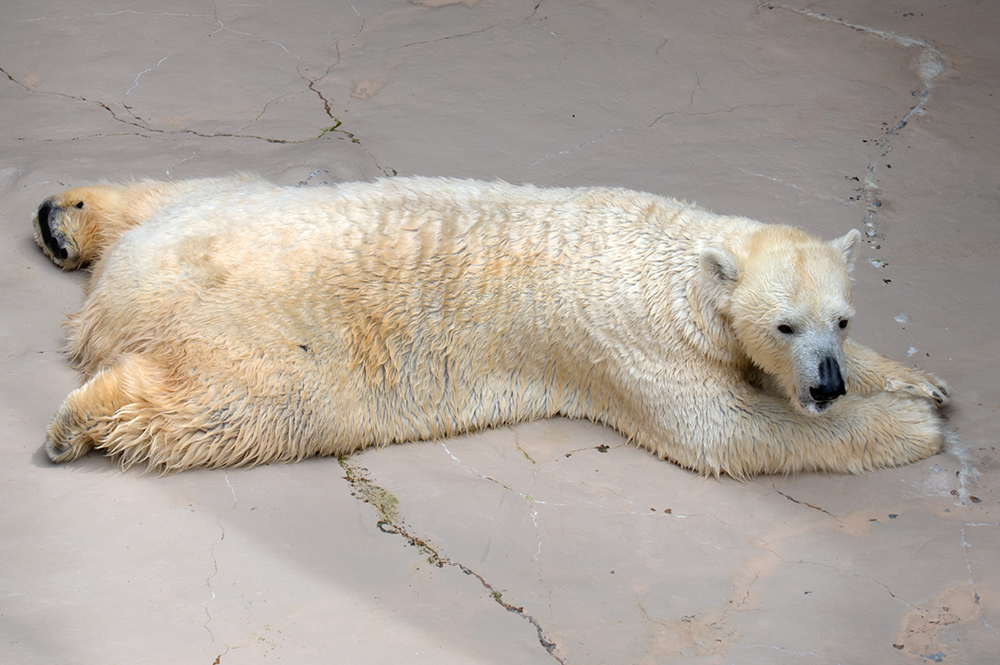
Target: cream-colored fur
pixel 231 321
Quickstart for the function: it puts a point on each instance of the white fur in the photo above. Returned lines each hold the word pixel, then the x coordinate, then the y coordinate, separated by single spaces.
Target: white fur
pixel 231 321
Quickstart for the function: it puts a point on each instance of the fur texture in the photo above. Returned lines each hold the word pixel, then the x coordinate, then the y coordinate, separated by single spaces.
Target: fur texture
pixel 233 322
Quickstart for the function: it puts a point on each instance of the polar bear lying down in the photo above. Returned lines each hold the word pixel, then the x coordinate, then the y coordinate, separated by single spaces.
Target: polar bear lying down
pixel 234 322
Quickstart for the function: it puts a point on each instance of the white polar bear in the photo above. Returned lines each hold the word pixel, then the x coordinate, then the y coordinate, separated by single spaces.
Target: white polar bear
pixel 233 322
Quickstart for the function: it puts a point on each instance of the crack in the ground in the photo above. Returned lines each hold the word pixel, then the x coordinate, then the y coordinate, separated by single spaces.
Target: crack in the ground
pixel 695 89
pixel 138 123
pixel 335 128
pixel 930 65
pixel 444 39
pixel 390 522
pixel 804 503
pixel 147 130
pixel 215 569
pixel 972 581
pixel 527 497
pixel 746 596
pixel 602 448
pixel 784 650
pixel 521 494
pixel 968 473
pixel 861 576
pixel 532 500
pixel 684 112
pixel 918 608
pixel 215 16
pixel 531 504
pixel 222 26
pixel 73 138
pixel 517 444
pixel 647 616
pixel 579 147
pixel 828 197
pixel 534 11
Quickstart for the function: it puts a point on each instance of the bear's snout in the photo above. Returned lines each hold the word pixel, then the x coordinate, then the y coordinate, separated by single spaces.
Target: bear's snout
pixel 831 381
pixel 45 229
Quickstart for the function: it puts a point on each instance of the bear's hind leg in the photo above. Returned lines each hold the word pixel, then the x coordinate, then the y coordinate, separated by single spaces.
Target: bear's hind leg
pixel 143 411
pixel 92 412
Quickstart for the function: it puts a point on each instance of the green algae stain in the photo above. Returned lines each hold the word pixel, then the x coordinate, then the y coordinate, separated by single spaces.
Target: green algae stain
pixel 384 503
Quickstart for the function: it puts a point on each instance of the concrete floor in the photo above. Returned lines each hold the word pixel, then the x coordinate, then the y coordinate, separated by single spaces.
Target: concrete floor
pixel 553 541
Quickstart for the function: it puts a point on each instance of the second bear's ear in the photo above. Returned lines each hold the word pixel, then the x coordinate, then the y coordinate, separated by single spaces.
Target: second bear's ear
pixel 719 264
pixel 848 246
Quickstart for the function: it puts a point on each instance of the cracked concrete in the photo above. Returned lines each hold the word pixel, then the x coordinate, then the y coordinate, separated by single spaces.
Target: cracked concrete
pixel 551 541
pixel 387 507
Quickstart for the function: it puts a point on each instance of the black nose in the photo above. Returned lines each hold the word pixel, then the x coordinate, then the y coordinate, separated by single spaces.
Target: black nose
pixel 44 211
pixel 831 382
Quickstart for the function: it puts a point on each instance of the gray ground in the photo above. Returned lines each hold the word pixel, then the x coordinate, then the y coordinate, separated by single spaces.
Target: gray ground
pixel 554 541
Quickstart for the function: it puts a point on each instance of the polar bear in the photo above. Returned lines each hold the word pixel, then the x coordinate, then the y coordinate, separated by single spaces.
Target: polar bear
pixel 235 322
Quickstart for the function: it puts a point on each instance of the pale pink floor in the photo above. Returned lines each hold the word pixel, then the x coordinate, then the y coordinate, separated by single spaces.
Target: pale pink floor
pixel 488 549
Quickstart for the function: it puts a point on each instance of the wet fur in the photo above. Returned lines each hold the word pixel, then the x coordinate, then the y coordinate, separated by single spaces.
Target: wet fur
pixel 233 322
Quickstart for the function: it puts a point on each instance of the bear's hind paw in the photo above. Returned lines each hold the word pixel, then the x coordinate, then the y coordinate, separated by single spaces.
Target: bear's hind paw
pixel 64 443
pixel 53 235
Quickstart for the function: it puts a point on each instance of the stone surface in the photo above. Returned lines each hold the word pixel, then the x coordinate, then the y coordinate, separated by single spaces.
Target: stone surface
pixel 552 541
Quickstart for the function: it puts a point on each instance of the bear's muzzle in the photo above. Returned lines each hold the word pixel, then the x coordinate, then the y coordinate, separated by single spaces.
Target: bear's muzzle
pixel 831 381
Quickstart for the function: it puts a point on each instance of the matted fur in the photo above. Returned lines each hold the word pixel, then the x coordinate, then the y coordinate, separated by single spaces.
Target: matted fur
pixel 231 322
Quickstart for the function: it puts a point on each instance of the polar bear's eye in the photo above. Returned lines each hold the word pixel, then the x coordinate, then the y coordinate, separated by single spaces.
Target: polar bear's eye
pixel 80 204
pixel 843 323
pixel 785 329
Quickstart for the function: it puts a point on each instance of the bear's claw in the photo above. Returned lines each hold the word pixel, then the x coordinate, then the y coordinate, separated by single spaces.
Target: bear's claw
pixel 922 384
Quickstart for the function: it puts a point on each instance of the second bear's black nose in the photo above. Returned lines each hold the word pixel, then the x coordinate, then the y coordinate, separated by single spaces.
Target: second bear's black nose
pixel 44 212
pixel 831 382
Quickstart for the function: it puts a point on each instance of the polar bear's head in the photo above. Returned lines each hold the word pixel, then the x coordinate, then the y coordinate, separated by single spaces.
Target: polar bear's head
pixel 788 300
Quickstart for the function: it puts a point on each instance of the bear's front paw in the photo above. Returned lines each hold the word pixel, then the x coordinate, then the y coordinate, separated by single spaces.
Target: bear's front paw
pixel 920 384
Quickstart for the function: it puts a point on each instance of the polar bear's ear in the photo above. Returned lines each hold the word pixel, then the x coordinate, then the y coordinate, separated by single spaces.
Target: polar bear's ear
pixel 719 264
pixel 848 246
